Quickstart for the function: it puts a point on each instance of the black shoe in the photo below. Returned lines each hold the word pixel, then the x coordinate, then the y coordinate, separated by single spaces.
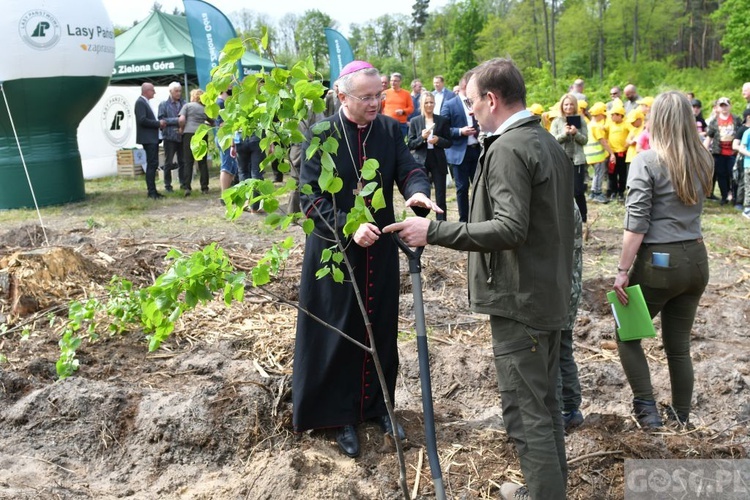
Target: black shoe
pixel 348 441
pixel 168 189
pixel 204 190
pixel 679 418
pixel 187 192
pixel 647 414
pixel 155 196
pixel 572 419
pixel 385 425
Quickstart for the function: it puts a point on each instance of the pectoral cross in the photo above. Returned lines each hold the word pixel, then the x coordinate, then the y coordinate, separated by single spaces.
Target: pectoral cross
pixel 358 189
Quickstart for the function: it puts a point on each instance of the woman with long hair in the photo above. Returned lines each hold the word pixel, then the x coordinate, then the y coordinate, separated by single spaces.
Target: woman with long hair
pixel 569 128
pixel 667 184
pixel 429 135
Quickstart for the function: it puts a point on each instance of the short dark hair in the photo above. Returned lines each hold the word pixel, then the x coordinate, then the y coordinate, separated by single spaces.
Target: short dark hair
pixel 503 78
pixel 745 114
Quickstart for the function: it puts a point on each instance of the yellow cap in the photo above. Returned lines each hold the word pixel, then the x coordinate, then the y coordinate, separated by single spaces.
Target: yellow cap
pixel 617 109
pixel 598 108
pixel 582 104
pixel 536 109
pixel 634 116
pixel 646 101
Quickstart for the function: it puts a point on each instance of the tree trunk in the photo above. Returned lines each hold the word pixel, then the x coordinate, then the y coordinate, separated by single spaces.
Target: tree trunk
pixel 635 32
pixel 546 30
pixel 601 40
pixel 553 12
pixel 536 33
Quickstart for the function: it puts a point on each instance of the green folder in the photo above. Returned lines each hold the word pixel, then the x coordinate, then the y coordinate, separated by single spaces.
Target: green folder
pixel 633 320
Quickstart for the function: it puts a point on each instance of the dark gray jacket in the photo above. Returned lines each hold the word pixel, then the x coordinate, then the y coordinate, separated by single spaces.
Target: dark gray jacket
pixel 520 230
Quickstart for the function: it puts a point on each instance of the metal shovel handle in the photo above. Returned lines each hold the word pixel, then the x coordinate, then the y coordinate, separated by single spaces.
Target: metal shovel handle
pixel 415 268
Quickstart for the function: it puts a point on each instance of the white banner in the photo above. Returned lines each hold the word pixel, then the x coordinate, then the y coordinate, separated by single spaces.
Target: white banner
pixel 111 126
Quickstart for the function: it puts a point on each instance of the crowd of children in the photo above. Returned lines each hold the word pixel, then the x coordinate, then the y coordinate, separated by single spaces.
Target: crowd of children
pixel 615 136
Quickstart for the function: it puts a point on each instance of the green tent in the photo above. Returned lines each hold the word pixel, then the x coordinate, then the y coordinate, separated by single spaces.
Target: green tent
pixel 159 50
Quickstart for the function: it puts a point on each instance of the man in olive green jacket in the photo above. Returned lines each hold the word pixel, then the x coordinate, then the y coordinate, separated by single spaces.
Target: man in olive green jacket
pixel 520 238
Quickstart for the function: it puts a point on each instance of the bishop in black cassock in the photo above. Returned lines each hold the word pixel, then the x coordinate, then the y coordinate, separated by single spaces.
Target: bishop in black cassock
pixel 334 383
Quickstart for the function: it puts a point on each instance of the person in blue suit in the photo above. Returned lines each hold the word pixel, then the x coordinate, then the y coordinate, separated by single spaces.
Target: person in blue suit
pixel 463 155
pixel 442 94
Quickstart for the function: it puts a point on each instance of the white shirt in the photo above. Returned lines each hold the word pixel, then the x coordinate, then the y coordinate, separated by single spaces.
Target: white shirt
pixel 520 115
pixel 470 140
pixel 438 101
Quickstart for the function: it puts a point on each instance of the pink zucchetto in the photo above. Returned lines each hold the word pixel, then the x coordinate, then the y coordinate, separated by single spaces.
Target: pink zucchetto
pixel 353 67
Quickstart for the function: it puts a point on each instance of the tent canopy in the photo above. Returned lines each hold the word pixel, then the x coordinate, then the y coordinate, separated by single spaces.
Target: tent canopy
pixel 158 49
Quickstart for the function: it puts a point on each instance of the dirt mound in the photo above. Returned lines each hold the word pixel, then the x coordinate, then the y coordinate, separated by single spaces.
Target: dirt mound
pixel 209 415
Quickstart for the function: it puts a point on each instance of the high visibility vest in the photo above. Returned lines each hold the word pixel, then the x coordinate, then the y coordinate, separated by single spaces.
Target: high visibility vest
pixel 594 151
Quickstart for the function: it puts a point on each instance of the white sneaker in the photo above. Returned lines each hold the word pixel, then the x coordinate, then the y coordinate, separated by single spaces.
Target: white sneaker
pixel 746 212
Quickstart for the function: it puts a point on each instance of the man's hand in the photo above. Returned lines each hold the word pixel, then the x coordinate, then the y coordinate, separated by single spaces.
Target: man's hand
pixel 366 235
pixel 420 200
pixel 413 231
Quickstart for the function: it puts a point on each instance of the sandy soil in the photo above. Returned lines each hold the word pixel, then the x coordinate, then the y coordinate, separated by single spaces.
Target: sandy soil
pixel 208 416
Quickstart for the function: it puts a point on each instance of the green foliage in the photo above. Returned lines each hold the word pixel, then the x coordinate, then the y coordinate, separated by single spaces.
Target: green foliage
pixel 67 363
pixel 311 36
pixel 465 31
pixel 272 262
pixel 80 315
pixel 190 280
pixel 736 39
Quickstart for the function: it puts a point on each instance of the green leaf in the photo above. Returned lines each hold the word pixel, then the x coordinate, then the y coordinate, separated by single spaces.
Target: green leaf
pixel 336 185
pixel 331 145
pixel 238 292
pixel 190 299
pixel 351 227
pixel 369 169
pixel 325 179
pixel 338 257
pixel 368 189
pixel 325 255
pixel 378 200
pixel 306 189
pixel 308 226
pixel 212 110
pixel 233 50
pixel 270 205
pixel 261 275
pixel 322 272
pixel 320 127
pixel 327 163
pixel 264 38
pixel 272 219
pixel 338 275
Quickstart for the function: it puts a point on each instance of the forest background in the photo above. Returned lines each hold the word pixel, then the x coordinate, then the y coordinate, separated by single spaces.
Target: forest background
pixel 698 46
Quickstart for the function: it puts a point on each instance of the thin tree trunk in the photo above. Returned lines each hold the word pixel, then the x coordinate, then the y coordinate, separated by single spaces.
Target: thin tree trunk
pixel 635 32
pixel 601 40
pixel 536 33
pixel 703 44
pixel 546 30
pixel 552 32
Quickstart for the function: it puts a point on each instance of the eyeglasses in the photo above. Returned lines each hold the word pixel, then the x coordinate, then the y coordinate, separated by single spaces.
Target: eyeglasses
pixel 470 101
pixel 614 94
pixel 366 99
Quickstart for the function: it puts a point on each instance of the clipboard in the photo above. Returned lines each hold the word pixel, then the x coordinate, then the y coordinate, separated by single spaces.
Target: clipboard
pixel 574 120
pixel 633 320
